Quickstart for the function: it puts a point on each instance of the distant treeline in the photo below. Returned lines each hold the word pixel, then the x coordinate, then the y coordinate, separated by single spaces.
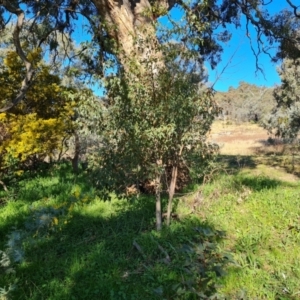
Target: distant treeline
pixel 246 103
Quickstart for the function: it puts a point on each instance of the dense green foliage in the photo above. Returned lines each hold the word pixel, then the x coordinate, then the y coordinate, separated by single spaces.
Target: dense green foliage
pixel 150 120
pixel 285 117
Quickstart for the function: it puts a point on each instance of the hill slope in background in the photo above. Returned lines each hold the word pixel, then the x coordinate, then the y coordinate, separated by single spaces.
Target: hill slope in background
pixel 246 103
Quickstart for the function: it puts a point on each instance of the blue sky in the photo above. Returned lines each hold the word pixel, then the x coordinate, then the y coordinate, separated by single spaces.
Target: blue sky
pixel 237 56
pixel 238 61
pixel 239 64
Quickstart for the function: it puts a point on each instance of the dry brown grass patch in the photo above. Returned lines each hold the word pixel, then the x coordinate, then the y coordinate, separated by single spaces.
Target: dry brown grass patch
pixel 272 157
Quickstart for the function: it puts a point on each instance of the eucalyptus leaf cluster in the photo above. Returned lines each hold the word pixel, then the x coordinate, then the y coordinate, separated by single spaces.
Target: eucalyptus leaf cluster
pixel 88 113
pixel 284 120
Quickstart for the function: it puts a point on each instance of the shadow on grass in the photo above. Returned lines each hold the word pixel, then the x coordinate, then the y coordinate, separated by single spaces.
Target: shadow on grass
pixel 290 163
pixel 236 162
pixel 111 251
pixel 236 165
pixel 279 154
pixel 258 183
pixel 54 181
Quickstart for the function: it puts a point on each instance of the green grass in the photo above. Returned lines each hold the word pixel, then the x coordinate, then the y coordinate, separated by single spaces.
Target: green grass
pixel 79 247
pixel 92 249
pixel 261 217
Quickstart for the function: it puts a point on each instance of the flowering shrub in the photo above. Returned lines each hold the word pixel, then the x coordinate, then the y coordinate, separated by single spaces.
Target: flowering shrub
pixel 37 126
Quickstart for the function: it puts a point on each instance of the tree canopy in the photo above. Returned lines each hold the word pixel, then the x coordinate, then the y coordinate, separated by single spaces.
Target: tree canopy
pixel 285 117
pixel 115 26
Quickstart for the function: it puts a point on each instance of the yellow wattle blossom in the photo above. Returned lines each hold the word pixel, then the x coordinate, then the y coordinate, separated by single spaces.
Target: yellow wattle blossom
pixel 77 192
pixel 37 125
pixel 55 221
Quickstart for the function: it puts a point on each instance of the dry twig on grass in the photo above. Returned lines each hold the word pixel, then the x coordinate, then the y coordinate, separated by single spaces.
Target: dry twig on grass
pixel 138 248
pixel 167 258
pixel 4 186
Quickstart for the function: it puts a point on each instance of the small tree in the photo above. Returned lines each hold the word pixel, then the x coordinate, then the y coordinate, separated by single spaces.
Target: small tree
pixel 87 119
pixel 285 117
pixel 154 120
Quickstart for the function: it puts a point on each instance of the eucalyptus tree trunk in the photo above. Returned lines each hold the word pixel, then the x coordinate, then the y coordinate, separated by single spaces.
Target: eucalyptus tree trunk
pixel 131 26
pixel 158 212
pixel 128 22
pixel 172 192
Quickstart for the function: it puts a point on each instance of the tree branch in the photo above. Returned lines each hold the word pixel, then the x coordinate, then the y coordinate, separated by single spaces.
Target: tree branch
pixel 28 65
pixel 294 7
pixel 4 186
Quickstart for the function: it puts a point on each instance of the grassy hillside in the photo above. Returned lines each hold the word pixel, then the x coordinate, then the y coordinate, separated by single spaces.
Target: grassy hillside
pixel 236 237
pixel 261 219
pixel 247 102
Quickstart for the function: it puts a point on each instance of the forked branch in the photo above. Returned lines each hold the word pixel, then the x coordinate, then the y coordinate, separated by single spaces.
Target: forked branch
pixel 28 65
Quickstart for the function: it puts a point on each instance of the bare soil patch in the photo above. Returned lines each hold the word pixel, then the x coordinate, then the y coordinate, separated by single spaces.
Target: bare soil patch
pixel 244 139
pixel 249 142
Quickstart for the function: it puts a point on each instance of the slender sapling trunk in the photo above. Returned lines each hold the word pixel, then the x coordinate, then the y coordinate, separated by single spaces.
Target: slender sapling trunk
pixel 171 192
pixel 75 159
pixel 158 197
pixel 173 185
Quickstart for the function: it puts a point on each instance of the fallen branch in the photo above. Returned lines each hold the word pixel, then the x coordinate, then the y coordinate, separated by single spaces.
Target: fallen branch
pixel 4 186
pixel 138 248
pixel 167 258
pixel 15 9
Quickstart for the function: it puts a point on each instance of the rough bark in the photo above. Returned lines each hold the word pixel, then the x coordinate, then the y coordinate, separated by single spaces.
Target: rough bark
pixel 127 22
